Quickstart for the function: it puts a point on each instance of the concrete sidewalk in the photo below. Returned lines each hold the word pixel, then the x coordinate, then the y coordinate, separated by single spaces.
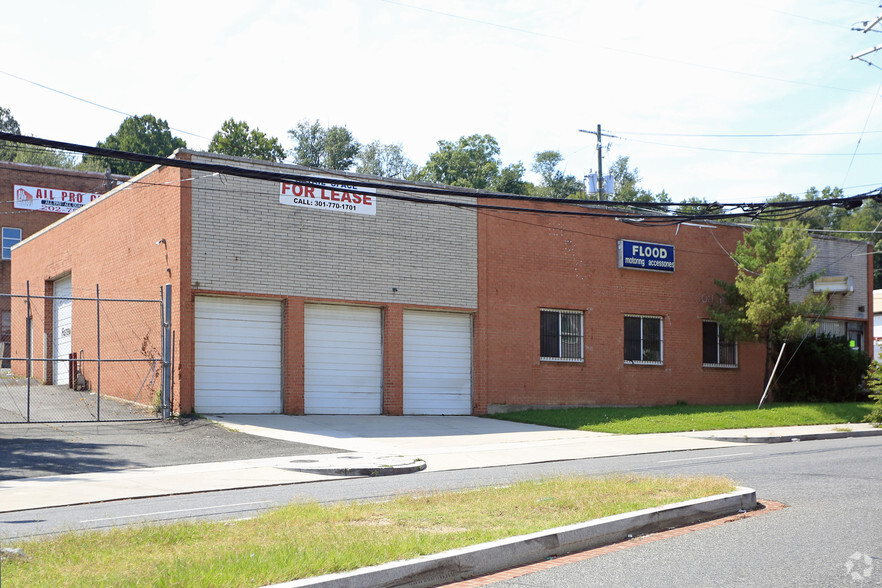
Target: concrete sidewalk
pixel 443 443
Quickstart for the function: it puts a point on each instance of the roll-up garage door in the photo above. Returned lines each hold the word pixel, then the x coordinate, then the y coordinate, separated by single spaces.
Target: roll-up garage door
pixel 437 363
pixel 62 325
pixel 238 355
pixel 343 360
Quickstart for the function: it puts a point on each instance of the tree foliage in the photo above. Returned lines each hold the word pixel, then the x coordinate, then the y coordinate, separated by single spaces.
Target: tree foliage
pixel 822 369
pixel 385 161
pixel 555 183
pixel 771 261
pixel 145 134
pixel 317 146
pixel 237 138
pixel 472 162
pixel 33 154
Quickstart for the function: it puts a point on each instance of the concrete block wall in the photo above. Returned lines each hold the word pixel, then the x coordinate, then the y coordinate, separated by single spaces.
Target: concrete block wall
pixel 245 241
pixel 842 257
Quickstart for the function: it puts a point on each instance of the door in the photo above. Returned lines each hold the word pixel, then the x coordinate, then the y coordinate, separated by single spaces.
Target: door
pixel 437 363
pixel 343 360
pixel 238 355
pixel 62 329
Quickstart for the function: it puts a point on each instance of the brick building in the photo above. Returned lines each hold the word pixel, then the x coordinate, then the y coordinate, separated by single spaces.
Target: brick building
pixel 297 299
pixel 33 197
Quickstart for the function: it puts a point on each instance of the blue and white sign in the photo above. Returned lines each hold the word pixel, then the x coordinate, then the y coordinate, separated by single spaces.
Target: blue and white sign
pixel 646 256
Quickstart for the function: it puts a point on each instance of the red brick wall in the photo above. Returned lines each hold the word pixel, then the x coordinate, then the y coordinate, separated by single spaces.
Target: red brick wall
pixel 30 221
pixel 528 262
pixel 112 244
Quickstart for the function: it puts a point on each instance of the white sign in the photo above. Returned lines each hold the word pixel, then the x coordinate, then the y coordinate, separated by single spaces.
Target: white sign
pixel 50 199
pixel 332 197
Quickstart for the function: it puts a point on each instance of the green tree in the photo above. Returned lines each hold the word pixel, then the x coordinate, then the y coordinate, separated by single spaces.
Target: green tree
pixel 627 182
pixel 237 138
pixel 147 135
pixel 771 261
pixel 555 183
pixel 472 162
pixel 8 124
pixel 32 154
pixel 385 161
pixel 330 148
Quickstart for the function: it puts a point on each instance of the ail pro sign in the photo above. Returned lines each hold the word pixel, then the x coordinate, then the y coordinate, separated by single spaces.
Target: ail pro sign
pixel 646 256
pixel 332 197
pixel 50 199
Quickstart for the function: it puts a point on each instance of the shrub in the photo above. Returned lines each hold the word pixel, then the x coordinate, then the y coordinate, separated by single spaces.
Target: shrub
pixel 822 369
pixel 874 387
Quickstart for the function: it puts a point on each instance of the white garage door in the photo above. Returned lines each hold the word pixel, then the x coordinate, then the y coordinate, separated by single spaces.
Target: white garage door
pixel 343 360
pixel 238 355
pixel 437 363
pixel 62 319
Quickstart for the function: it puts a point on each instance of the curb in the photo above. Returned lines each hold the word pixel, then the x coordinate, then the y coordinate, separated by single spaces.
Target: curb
pixel 357 465
pixel 477 560
pixel 802 437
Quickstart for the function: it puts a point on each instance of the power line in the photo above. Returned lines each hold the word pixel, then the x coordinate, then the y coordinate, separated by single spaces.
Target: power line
pixel 126 114
pixel 428 193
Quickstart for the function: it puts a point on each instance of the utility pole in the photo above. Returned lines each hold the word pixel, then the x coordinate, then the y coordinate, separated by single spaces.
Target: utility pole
pixel 599 165
pixel 599 161
pixel 867 27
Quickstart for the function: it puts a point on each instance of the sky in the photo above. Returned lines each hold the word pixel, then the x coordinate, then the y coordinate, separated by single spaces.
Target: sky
pixel 728 102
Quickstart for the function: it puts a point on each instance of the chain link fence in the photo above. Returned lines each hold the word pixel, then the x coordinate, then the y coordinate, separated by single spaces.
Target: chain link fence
pixel 75 358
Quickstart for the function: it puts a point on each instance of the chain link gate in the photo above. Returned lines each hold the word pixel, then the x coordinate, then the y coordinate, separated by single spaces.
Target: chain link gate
pixel 73 358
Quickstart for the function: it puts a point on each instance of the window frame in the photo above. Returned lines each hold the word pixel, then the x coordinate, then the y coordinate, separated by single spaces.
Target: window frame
pixel 718 341
pixel 643 350
pixel 6 252
pixel 561 335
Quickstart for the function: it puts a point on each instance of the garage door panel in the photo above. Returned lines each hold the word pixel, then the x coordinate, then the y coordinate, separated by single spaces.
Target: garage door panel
pixel 343 360
pixel 437 363
pixel 238 355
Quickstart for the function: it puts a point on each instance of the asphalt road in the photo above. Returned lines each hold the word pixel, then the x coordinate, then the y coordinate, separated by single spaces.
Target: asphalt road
pixel 831 528
pixel 831 489
pixel 32 450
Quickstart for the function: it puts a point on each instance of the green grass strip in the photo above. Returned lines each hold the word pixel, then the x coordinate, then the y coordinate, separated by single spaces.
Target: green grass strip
pixel 303 540
pixel 670 419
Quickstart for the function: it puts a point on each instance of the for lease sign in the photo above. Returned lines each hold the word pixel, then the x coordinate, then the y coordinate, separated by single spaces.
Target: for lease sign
pixel 333 197
pixel 50 199
pixel 646 256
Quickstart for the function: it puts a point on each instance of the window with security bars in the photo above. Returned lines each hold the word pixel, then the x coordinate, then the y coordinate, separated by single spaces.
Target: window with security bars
pixel 560 335
pixel 643 339
pixel 715 349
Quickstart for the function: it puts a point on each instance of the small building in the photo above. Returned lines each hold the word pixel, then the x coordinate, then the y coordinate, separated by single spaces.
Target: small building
pixel 33 197
pixel 298 296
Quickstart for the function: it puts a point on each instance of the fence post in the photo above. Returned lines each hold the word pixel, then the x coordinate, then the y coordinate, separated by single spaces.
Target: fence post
pixel 98 345
pixel 166 352
pixel 28 344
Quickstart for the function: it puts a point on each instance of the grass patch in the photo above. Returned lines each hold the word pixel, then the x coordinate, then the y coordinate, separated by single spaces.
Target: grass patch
pixel 670 419
pixel 303 540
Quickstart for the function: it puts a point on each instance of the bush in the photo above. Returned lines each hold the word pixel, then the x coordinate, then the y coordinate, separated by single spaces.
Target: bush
pixel 822 369
pixel 874 386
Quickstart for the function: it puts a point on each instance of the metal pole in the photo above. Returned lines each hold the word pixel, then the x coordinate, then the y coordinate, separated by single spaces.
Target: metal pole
pixel 166 352
pixel 599 166
pixel 772 375
pixel 28 343
pixel 98 341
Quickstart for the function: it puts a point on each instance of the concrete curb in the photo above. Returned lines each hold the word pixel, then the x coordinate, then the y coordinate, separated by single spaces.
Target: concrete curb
pixel 798 437
pixel 485 558
pixel 357 465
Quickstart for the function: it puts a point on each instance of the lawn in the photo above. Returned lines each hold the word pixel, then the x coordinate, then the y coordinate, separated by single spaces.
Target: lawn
pixel 303 540
pixel 670 419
